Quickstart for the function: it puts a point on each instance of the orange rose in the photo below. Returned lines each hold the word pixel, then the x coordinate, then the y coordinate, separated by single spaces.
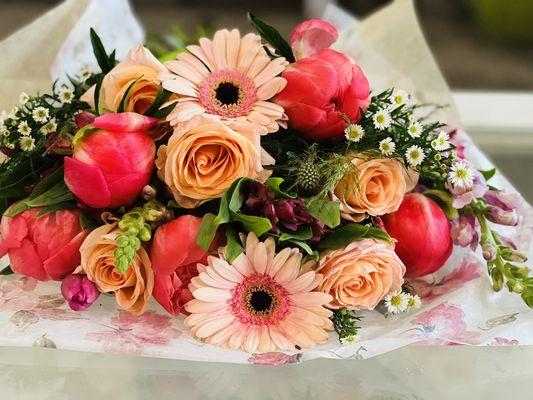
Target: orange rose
pixel 374 186
pixel 141 66
pixel 361 274
pixel 133 288
pixel 204 157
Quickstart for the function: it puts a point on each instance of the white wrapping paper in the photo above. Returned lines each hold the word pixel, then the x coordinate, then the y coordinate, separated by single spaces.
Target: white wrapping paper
pixel 459 306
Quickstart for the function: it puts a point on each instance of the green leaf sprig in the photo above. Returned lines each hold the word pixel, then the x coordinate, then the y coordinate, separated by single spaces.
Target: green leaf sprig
pixel 345 324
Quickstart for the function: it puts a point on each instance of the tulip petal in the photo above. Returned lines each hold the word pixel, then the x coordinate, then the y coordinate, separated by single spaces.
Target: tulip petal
pixel 87 183
pixel 65 261
pixel 124 122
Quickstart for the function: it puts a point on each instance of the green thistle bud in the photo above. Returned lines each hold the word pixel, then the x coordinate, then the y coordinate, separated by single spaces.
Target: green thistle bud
pixel 308 176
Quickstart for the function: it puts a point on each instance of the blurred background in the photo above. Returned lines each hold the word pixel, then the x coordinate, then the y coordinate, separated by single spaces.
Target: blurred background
pixel 484 49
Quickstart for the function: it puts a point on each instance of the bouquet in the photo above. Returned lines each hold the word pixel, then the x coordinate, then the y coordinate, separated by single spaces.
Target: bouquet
pixel 257 187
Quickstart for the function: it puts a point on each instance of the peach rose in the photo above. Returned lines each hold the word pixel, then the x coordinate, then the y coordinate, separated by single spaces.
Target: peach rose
pixel 374 186
pixel 134 287
pixel 139 65
pixel 204 157
pixel 361 274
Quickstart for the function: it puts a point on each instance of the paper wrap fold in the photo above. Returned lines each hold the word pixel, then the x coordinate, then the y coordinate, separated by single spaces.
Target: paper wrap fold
pixel 459 306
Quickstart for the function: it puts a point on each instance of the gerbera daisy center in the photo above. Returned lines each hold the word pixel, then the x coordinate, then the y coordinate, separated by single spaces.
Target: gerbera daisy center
pixel 227 93
pixel 260 300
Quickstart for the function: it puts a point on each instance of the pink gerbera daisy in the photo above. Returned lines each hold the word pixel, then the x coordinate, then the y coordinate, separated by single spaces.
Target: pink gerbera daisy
pixel 260 302
pixel 229 78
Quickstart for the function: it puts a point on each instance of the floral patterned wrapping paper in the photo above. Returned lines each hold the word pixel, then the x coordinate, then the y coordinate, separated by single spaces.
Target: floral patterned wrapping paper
pixel 458 304
pixel 458 308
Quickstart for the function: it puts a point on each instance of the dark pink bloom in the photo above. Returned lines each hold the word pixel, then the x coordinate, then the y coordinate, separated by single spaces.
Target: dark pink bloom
pixel 44 247
pixel 111 165
pixel 422 232
pixel 84 118
pixel 502 199
pixel 311 36
pixel 79 292
pixel 320 89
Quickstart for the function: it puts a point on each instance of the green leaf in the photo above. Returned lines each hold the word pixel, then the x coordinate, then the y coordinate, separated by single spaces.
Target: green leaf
pixel 16 209
pixel 207 231
pixel 233 246
pixel 272 36
pixel 56 207
pixel 231 200
pixel 105 62
pixel 59 193
pixel 274 185
pixel 251 223
pixel 163 112
pixel 444 200
pixel 302 244
pixel 160 99
pixel 82 134
pixel 47 183
pixel 325 210
pixel 304 233
pixel 527 296
pixel 127 95
pixel 6 271
pixel 348 233
pixel 489 173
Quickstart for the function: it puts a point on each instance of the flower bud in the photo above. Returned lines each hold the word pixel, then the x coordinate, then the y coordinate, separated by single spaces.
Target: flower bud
pixel 502 217
pixel 148 193
pixel 489 251
pixel 79 292
pixel 497 280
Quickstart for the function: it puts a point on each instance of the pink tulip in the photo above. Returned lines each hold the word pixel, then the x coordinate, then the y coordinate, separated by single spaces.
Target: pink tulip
pixel 320 90
pixel 174 257
pixel 79 292
pixel 44 247
pixel 422 232
pixel 311 36
pixel 111 165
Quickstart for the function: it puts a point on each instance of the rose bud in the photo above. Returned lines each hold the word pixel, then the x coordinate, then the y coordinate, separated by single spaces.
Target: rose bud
pixel 45 247
pixel 311 36
pixel 111 164
pixel 423 234
pixel 321 90
pixel 79 292
pixel 174 256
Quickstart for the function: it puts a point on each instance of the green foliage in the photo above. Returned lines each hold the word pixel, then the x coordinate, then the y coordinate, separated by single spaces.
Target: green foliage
pixel 105 61
pixel 233 245
pixel 348 233
pixel 488 174
pixel 345 324
pixel 325 211
pixel 6 271
pixel 273 37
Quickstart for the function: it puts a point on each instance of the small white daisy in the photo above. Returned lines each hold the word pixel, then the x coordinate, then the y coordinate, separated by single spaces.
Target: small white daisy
pixel 49 127
pixel 3 129
pixel 414 129
pixel 382 119
pixel 24 129
pixel 441 143
pixel 415 155
pixel 413 302
pixel 396 302
pixel 349 339
pixel 85 74
pixel 65 95
pixel 461 175
pixel 24 98
pixel 13 114
pixel 387 146
pixel 10 145
pixel 398 98
pixel 40 114
pixel 354 132
pixel 27 143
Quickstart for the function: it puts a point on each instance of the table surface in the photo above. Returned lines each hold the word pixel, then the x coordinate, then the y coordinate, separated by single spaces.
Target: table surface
pixel 410 373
